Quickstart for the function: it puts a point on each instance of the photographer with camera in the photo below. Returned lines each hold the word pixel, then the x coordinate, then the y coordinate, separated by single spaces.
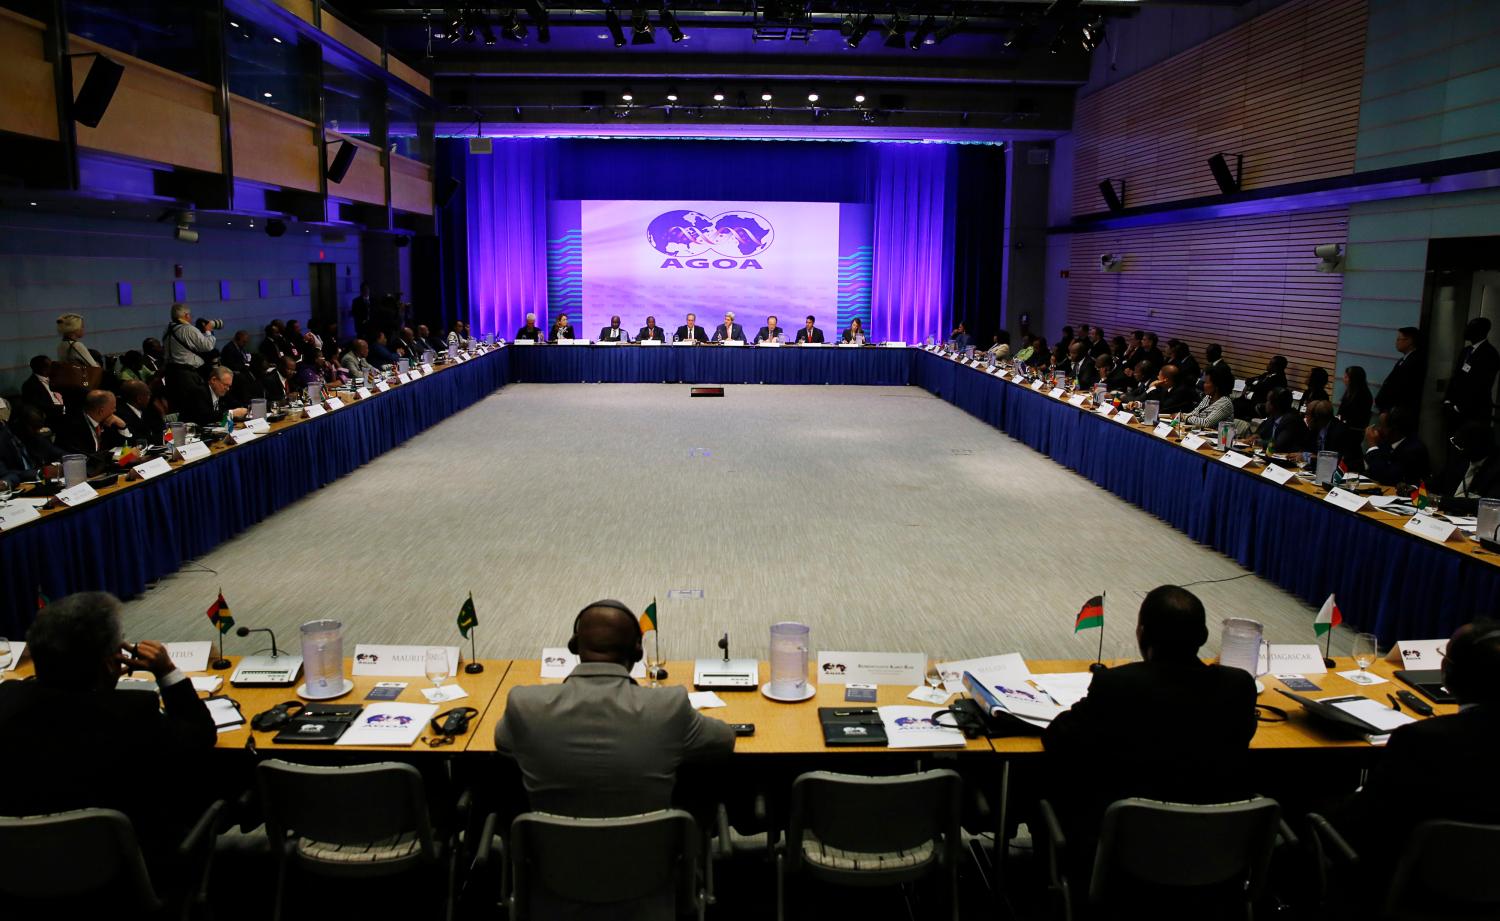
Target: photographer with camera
pixel 190 344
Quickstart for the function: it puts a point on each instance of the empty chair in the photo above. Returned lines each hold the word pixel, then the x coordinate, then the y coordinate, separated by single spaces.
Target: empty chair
pixel 1175 860
pixel 364 821
pixel 89 860
pixel 648 863
pixel 872 831
pixel 1446 870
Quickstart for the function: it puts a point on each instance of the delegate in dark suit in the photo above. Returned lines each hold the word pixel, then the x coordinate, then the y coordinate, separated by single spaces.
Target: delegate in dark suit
pixel 1406 461
pixel 79 434
pixel 38 394
pixel 698 334
pixel 1470 393
pixel 145 423
pixel 1284 434
pixel 1403 384
pixel 613 334
pixel 564 331
pixel 767 334
pixel 652 333
pixel 809 335
pixel 734 332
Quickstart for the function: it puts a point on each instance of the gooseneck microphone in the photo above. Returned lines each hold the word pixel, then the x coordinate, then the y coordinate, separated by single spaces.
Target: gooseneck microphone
pixel 246 631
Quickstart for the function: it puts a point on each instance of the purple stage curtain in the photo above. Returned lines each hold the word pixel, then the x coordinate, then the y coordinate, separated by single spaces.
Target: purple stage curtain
pixel 506 195
pixel 911 287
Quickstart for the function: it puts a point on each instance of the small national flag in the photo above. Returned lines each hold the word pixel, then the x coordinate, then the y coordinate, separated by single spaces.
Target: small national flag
pixel 41 598
pixel 218 614
pixel 1091 615
pixel 128 455
pixel 648 618
pixel 467 618
pixel 1419 496
pixel 1339 472
pixel 1328 617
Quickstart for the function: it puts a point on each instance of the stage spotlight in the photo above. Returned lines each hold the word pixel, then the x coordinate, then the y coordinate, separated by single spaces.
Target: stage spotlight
pixel 185 234
pixel 511 25
pixel 719 97
pixel 538 12
pixel 640 25
pixel 669 20
pixel 895 31
pixel 487 33
pixel 859 100
pixel 341 161
pixel 616 31
pixel 923 30
pixel 1092 34
pixel 855 28
pixel 627 96
pixel 1330 257
pixel 812 97
pixel 949 28
pixel 765 97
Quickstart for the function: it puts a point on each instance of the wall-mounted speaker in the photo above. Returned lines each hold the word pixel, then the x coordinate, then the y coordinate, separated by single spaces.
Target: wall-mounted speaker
pixel 341 161
pixel 446 192
pixel 1115 200
pixel 98 89
pixel 275 227
pixel 1228 182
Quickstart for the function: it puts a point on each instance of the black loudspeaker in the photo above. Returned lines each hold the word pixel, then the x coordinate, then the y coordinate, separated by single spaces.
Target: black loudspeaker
pixel 341 161
pixel 98 89
pixel 402 241
pixel 1111 198
pixel 447 191
pixel 275 227
pixel 1229 183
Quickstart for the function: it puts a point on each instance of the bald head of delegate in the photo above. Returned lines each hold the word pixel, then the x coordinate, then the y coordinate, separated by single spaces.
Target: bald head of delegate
pixel 607 631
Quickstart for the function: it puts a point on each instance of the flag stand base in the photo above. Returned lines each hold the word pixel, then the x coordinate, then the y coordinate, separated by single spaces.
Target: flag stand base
pixel 473 668
pixel 1097 667
pixel 219 665
pixel 656 673
pixel 1329 663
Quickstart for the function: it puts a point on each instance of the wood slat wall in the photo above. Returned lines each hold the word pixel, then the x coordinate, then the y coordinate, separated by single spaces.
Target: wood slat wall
pixel 1282 89
pixel 1248 283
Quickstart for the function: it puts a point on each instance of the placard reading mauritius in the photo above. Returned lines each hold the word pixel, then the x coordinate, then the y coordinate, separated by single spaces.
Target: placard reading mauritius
pixel 709 256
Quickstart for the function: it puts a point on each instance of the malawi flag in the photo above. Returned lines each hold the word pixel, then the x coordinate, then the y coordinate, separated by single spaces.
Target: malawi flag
pixel 219 616
pixel 1091 615
pixel 467 618
pixel 1328 617
pixel 648 618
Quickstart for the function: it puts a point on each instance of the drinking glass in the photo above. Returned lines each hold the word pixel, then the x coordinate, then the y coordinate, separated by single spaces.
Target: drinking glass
pixel 4 493
pixel 1364 651
pixel 437 665
pixel 4 653
pixel 934 677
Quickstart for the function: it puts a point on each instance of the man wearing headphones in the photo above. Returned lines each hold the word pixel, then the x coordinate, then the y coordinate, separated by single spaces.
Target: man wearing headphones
pixel 599 745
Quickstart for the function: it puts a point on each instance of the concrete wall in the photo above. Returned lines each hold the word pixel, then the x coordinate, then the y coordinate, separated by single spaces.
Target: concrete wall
pixel 52 264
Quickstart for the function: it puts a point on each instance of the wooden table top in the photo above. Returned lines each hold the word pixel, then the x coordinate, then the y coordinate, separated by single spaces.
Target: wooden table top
pixel 779 728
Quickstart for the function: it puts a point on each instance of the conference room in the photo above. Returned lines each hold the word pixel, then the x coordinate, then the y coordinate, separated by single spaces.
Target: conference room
pixel 1015 459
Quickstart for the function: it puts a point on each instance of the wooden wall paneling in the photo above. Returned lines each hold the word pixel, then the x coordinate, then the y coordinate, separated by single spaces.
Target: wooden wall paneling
pixel 30 101
pixel 408 75
pixel 411 185
pixel 346 35
pixel 1282 89
pixel 1248 283
pixel 272 146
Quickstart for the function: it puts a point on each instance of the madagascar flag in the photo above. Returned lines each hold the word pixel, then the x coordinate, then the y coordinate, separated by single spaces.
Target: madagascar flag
pixel 1419 496
pixel 648 618
pixel 218 614
pixel 1329 616
pixel 467 618
pixel 1091 615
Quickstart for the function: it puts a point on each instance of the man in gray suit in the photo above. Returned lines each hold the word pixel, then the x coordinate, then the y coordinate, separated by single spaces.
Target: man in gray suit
pixel 599 745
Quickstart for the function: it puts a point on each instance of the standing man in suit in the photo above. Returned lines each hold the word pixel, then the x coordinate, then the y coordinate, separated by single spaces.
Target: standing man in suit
pixel 651 332
pixel 729 330
pixel 91 745
pixel 1470 396
pixel 562 329
pixel 613 332
pixel 94 430
pixel 1403 384
pixel 690 331
pixel 1169 727
pixel 809 331
pixel 599 745
pixel 361 309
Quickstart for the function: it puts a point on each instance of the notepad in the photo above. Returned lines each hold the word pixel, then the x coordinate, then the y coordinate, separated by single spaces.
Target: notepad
pixel 1375 713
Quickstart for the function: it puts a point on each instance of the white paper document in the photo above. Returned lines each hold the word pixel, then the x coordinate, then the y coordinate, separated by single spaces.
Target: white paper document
pixel 705 700
pixel 930 695
pixel 1067 688
pixel 1362 678
pixel 207 684
pixel 16 514
pixel 1023 700
pixel 190 657
pixel 444 694
pixel 227 717
pixel 389 724
pixel 1007 667
pixel 913 727
pixel 397 661
pixel 1375 713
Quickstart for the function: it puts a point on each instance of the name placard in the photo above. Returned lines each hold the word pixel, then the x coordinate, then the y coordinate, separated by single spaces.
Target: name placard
pixel 77 495
pixel 1038 384
pixel 363 393
pixel 426 368
pixel 193 451
pixel 1346 500
pixel 404 378
pixel 1419 654
pixel 1236 459
pixel 1296 659
pixel 894 345
pixel 243 436
pixel 258 426
pixel 524 342
pixel 152 468
pixel 1193 442
pixel 333 404
pixel 1277 473
pixel 13 516
pixel 382 386
pixel 1429 527
pixel 316 410
pixel 1077 399
pixel 1162 430
pixel 650 342
pixel 1105 410
pixel 397 661
pixel 1056 393
pixel 1124 417
pixel 416 373
pixel 872 667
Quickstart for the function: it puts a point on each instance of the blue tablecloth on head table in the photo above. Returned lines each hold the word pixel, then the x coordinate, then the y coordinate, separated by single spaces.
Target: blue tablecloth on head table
pixel 122 542
pixel 1394 584
pixel 708 364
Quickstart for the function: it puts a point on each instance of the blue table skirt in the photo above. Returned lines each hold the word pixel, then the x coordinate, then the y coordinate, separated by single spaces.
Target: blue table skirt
pixel 1387 582
pixel 630 364
pixel 122 542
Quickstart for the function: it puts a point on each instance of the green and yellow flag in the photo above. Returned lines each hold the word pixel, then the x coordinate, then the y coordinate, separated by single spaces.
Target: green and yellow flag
pixel 467 619
pixel 218 614
pixel 648 618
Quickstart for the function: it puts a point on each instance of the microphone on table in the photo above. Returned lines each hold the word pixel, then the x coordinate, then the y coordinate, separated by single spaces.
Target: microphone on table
pixel 246 631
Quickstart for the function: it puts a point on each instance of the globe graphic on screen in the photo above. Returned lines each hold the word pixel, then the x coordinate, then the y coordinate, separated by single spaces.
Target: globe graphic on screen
pixel 681 233
pixel 742 233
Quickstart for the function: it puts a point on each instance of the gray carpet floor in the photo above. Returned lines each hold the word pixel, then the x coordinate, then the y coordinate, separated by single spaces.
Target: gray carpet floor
pixel 883 517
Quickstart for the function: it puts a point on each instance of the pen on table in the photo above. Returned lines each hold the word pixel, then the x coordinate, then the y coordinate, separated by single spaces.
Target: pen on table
pixel 1395 705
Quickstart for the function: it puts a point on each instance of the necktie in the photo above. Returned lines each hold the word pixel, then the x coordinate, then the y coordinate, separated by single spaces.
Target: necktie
pixel 98 431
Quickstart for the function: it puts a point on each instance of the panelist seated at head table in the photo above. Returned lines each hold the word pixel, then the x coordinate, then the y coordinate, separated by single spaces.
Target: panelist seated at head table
pixel 729 330
pixel 76 741
pixel 855 334
pixel 1169 727
pixel 651 332
pixel 771 332
pixel 529 331
pixel 613 332
pixel 599 745
pixel 690 331
pixel 809 331
pixel 561 330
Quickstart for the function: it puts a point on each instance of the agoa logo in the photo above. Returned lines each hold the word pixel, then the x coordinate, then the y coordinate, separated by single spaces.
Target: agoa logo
pixel 734 237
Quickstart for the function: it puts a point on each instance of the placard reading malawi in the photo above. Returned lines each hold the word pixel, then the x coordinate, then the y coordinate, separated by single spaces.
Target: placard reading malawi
pixel 669 258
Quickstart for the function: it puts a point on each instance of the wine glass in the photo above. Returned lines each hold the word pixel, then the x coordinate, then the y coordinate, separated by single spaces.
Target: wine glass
pixel 5 490
pixel 1364 653
pixel 4 653
pixel 934 677
pixel 437 665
